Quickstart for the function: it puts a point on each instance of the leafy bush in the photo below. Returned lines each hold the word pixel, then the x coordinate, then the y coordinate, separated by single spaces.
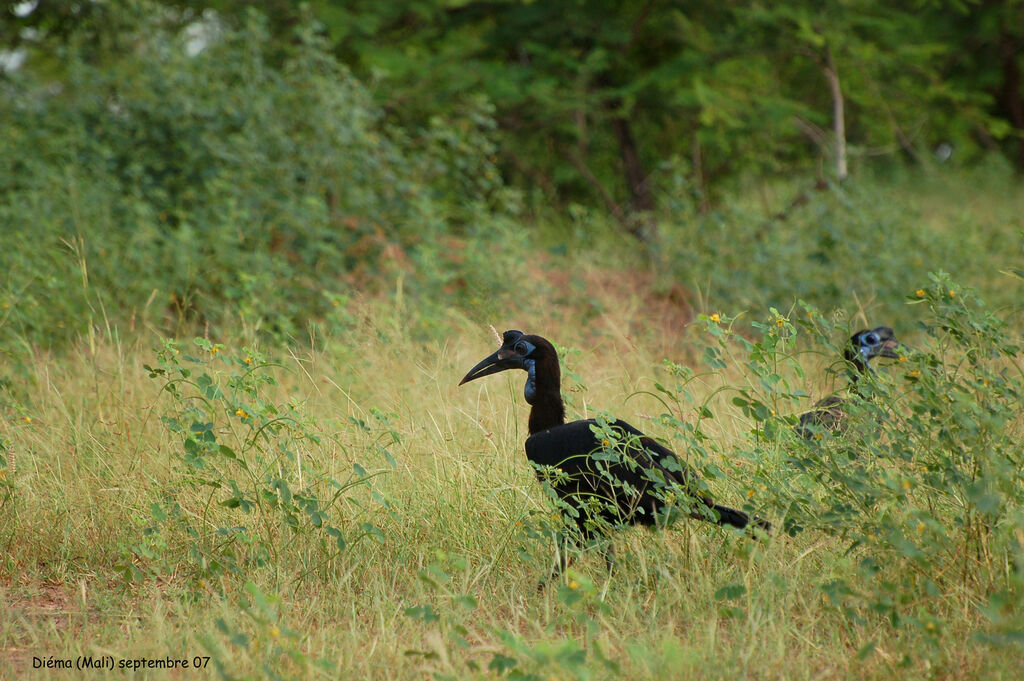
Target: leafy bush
pixel 926 486
pixel 166 185
pixel 252 485
pixel 862 244
pixel 257 636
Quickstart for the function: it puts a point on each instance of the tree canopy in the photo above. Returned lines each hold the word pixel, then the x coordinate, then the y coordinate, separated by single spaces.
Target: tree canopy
pixel 602 101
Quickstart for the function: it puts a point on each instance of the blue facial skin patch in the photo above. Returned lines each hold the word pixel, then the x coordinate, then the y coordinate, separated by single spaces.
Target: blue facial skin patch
pixel 531 379
pixel 867 344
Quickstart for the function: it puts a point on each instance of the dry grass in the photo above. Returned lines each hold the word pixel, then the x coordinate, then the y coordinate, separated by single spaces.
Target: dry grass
pixel 92 456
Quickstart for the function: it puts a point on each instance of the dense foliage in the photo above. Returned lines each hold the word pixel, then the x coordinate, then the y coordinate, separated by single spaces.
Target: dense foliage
pixel 174 165
pixel 165 186
pixel 596 99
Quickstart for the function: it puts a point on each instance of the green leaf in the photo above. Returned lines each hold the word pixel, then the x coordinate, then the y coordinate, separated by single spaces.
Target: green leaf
pixel 866 650
pixel 283 491
pixel 423 612
pixel 730 592
pixel 501 663
pixel 339 540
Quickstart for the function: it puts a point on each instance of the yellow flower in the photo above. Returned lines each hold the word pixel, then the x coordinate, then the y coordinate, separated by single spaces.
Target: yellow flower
pixel 750 494
pixel 952 293
pixel 604 443
pixel 915 373
pixel 903 358
pixel 574 585
pixel 780 321
pixel 920 293
pixel 920 527
pixel 28 419
pixel 248 360
pixel 241 412
pixel 715 318
pixel 906 484
pixel 274 632
pixel 335 303
pixel 214 350
pixel 871 536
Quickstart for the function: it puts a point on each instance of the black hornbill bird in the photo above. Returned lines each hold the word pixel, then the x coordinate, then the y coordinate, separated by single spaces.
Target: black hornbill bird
pixel 605 475
pixel 863 347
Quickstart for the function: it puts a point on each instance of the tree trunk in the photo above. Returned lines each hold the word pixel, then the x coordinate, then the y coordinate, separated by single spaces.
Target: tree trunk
pixel 640 194
pixel 838 114
pixel 1011 99
pixel 698 173
pixel 641 198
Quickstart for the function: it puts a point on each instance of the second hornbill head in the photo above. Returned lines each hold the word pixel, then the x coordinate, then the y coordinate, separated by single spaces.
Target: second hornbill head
pixel 867 344
pixel 521 351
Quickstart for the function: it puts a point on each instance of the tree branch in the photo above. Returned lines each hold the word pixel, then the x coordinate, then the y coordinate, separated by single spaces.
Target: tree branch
pixel 613 207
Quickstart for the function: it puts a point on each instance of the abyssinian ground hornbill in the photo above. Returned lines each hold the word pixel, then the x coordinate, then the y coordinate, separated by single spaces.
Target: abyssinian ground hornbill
pixel 863 347
pixel 605 475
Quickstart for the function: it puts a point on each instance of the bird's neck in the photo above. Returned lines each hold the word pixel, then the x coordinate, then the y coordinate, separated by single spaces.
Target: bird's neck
pixel 547 412
pixel 544 393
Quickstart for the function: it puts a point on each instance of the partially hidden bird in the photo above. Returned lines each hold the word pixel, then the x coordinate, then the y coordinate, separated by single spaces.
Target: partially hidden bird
pixel 605 475
pixel 865 345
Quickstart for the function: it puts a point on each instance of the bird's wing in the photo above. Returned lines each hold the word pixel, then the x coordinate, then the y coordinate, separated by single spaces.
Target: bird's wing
pixel 562 446
pixel 651 453
pixel 827 414
pixel 573 447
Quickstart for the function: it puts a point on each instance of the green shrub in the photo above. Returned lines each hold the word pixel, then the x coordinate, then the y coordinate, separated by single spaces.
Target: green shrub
pixel 252 484
pixel 925 488
pixel 859 245
pixel 236 184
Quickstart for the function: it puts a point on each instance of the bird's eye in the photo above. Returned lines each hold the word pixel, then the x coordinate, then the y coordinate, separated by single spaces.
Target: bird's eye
pixel 871 339
pixel 521 348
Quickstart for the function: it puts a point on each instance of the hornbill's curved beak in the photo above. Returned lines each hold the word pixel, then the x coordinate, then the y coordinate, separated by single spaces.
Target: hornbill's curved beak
pixel 890 348
pixel 502 360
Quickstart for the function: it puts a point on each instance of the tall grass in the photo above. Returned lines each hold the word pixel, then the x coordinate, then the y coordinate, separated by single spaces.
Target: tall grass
pixel 441 550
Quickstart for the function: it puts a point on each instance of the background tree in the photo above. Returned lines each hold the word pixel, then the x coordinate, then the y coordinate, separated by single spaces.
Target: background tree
pixel 600 101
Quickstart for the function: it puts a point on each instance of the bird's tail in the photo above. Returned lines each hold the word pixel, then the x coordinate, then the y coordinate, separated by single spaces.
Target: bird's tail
pixel 730 516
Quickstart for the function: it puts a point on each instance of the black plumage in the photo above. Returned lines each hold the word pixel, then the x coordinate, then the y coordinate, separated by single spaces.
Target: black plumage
pixel 604 475
pixel 828 414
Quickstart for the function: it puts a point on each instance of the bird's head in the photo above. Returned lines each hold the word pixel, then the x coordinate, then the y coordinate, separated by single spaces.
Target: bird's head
pixel 521 351
pixel 867 344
